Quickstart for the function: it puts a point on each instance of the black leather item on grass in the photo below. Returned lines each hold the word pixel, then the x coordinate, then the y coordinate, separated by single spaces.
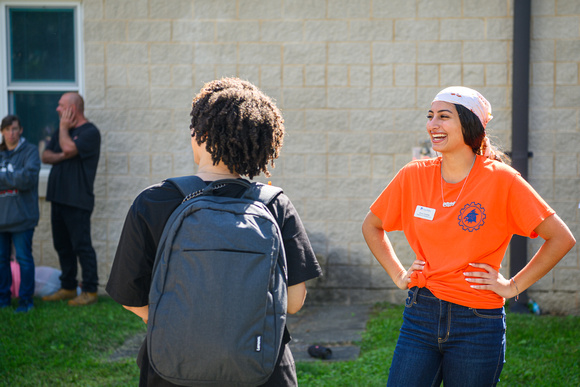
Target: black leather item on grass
pixel 319 352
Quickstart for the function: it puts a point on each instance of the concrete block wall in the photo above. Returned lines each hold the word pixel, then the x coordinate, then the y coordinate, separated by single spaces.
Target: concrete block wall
pixel 354 79
pixel 554 138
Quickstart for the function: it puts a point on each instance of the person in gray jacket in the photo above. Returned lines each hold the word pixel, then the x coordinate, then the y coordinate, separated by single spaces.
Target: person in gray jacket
pixel 19 169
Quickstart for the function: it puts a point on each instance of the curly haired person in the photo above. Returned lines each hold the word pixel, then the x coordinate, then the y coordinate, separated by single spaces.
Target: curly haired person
pixel 236 130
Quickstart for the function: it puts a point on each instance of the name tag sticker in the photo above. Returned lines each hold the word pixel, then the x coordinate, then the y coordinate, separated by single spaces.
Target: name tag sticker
pixel 424 213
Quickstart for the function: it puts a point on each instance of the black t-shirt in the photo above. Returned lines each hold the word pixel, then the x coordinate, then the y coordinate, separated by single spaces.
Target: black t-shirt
pixel 131 273
pixel 71 182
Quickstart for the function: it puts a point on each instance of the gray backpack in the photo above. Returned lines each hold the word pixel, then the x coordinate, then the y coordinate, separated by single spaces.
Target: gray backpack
pixel 217 304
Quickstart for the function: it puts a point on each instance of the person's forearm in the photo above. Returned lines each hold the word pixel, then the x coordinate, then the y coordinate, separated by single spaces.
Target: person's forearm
pixel 296 297
pixel 21 179
pixel 558 242
pixel 381 247
pixel 66 143
pixel 50 157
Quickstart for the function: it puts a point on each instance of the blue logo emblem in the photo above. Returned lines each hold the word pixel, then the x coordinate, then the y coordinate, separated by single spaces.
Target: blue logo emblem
pixel 471 217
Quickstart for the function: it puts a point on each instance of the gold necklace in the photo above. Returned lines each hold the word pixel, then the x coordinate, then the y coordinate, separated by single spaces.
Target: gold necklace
pixel 451 204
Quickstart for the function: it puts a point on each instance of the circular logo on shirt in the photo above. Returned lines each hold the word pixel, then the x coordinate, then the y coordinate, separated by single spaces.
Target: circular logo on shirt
pixel 471 217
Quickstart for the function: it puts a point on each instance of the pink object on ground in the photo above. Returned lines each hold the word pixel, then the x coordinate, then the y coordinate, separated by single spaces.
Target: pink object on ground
pixel 15 268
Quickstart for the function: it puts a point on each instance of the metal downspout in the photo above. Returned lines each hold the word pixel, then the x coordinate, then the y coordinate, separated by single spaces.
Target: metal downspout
pixel 520 111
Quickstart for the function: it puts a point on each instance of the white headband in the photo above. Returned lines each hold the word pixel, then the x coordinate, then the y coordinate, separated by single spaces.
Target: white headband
pixel 469 98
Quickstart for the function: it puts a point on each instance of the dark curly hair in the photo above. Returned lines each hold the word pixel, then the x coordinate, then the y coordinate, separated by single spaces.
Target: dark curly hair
pixel 239 125
pixel 474 134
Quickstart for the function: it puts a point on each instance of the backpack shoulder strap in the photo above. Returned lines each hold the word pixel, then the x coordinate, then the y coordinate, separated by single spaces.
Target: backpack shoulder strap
pixel 263 192
pixel 257 191
pixel 187 184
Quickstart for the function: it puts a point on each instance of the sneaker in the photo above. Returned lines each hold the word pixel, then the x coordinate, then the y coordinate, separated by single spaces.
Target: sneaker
pixel 24 308
pixel 61 294
pixel 85 298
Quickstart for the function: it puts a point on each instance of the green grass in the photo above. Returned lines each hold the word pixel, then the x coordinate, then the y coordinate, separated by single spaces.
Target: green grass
pixel 57 345
pixel 371 368
pixel 541 351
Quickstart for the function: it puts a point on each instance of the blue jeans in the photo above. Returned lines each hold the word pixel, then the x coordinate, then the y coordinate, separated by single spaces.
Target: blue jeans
pixel 23 245
pixel 443 341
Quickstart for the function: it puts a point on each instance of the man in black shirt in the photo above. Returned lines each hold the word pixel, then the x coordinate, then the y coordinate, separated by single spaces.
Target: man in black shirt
pixel 73 151
pixel 236 131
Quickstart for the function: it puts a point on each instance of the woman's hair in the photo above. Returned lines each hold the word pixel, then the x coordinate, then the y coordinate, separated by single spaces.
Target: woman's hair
pixel 474 135
pixel 239 125
pixel 6 122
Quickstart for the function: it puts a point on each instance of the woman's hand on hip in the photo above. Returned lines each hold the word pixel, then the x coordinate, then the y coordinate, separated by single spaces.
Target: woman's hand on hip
pixel 404 278
pixel 490 279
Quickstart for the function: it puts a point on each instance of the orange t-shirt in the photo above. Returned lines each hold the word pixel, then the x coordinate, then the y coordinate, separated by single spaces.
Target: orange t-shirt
pixel 496 203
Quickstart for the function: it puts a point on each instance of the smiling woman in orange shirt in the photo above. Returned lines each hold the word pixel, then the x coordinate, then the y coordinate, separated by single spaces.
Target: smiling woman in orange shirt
pixel 458 212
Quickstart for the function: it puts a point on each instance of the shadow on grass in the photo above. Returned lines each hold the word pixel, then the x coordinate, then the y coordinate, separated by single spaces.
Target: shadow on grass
pixel 58 345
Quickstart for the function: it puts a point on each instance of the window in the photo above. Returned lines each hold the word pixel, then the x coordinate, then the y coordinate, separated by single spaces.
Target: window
pixel 41 42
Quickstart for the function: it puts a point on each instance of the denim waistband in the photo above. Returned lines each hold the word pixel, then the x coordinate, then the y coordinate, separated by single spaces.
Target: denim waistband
pixel 422 291
pixel 416 292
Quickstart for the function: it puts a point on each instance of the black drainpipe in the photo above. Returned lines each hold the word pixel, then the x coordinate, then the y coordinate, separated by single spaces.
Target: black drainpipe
pixel 520 105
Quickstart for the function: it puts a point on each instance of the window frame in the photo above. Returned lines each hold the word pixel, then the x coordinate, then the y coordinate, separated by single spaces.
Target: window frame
pixel 5 86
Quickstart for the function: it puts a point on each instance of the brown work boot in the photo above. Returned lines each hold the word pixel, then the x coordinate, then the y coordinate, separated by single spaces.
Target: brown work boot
pixel 61 294
pixel 85 298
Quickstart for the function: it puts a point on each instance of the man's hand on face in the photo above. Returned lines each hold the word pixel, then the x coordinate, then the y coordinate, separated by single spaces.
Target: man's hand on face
pixel 68 118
